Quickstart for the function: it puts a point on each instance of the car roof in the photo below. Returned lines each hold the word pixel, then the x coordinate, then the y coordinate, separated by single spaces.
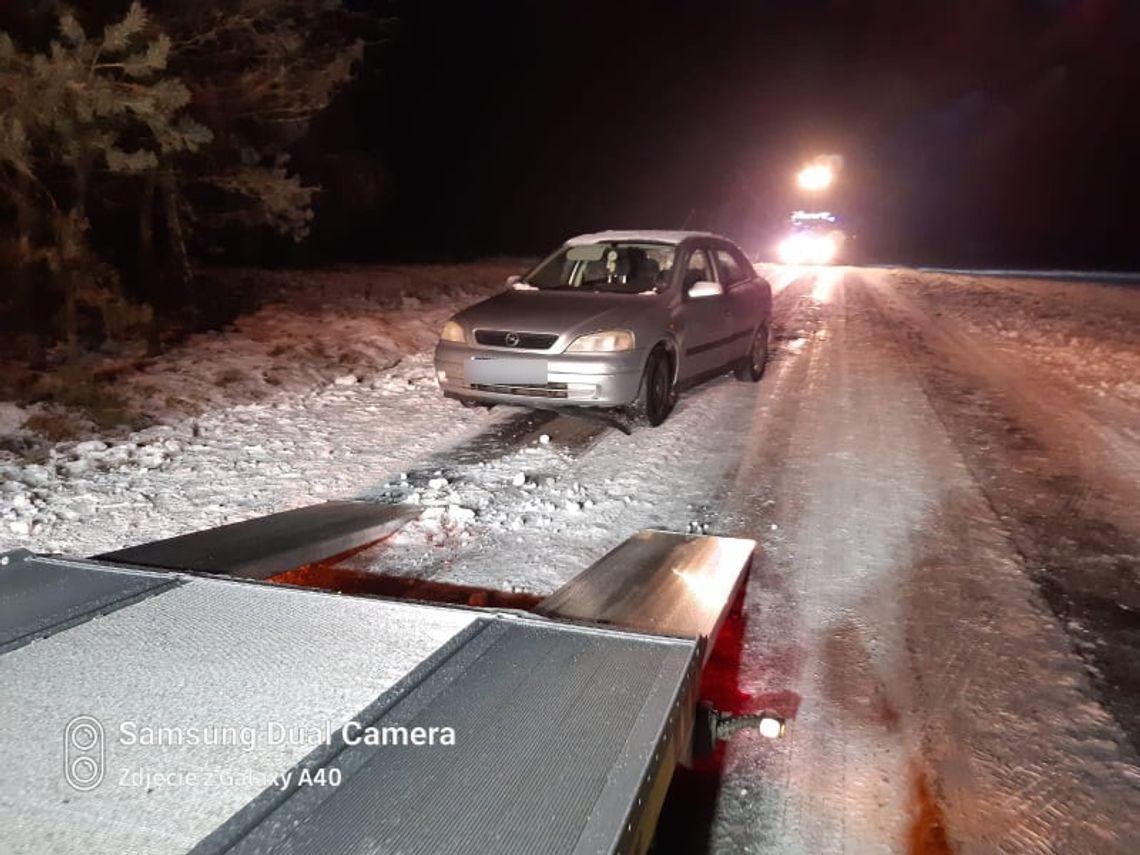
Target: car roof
pixel 650 235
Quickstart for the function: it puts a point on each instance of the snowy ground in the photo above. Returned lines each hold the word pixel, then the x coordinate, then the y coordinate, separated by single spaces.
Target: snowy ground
pixel 941 470
pixel 318 394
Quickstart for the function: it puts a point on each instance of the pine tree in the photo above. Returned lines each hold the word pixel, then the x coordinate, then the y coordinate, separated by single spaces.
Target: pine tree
pixel 87 104
pixel 190 111
pixel 259 71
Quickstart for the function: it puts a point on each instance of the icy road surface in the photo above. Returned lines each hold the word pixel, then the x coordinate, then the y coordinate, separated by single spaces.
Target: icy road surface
pixel 945 603
pixel 942 471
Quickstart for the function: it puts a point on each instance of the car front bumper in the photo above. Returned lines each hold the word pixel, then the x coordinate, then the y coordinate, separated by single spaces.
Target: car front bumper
pixel 572 379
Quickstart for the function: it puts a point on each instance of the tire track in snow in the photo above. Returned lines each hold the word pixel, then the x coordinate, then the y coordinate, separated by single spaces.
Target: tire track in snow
pixel 1043 478
pixel 831 786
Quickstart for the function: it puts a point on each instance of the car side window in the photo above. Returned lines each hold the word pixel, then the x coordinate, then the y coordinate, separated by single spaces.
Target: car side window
pixel 697 269
pixel 731 272
pixel 742 259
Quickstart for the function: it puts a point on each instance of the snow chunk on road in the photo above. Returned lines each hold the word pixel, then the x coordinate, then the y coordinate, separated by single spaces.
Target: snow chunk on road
pixel 459 514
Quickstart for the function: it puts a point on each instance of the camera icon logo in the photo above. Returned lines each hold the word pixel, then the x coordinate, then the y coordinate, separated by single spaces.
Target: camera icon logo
pixel 84 753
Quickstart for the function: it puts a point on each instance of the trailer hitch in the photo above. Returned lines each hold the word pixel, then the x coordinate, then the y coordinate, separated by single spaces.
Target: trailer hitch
pixel 713 725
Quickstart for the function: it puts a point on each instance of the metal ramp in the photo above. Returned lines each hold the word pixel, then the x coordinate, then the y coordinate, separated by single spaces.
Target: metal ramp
pixel 39 599
pixel 262 547
pixel 566 731
pixel 658 582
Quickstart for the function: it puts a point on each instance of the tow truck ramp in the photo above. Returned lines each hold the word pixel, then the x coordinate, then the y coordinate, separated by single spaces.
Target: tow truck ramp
pixel 225 715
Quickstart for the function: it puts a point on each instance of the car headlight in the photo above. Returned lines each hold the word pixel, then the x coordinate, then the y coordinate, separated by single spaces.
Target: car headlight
pixel 452 331
pixel 825 250
pixel 808 249
pixel 609 341
pixel 795 249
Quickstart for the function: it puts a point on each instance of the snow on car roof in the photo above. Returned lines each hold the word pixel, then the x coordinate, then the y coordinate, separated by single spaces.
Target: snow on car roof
pixel 655 235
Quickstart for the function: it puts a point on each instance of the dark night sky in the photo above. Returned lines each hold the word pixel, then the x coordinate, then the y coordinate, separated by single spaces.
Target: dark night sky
pixel 982 131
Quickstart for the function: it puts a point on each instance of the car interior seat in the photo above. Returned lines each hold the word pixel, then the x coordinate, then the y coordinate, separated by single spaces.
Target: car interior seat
pixel 642 270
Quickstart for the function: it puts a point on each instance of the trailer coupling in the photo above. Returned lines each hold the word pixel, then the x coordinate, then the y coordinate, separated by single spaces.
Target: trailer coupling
pixel 712 726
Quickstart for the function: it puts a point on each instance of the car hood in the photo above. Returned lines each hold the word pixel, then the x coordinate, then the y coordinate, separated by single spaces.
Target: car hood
pixel 559 312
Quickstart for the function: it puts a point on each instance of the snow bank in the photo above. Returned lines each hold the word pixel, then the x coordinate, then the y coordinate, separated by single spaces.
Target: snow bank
pixel 1088 332
pixel 318 394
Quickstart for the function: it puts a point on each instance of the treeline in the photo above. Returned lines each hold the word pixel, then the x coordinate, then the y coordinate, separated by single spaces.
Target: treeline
pixel 134 142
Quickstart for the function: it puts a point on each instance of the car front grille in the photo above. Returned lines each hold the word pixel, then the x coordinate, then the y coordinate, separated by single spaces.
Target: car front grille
pixel 526 341
pixel 533 390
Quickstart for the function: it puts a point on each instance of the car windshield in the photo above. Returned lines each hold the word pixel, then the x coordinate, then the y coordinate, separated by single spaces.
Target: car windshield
pixel 621 267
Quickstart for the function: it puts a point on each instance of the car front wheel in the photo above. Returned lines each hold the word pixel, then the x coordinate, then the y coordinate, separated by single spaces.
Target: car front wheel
pixel 656 397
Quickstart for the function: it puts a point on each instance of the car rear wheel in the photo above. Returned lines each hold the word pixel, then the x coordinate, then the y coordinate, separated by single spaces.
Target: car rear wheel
pixel 656 396
pixel 757 359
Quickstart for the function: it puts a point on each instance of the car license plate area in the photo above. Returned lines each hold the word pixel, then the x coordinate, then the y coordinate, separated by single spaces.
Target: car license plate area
pixel 504 371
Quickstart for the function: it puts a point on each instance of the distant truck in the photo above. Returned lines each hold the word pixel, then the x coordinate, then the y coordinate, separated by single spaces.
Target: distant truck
pixel 815 237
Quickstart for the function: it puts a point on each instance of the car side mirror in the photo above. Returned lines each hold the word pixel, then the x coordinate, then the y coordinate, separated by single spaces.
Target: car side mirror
pixel 705 289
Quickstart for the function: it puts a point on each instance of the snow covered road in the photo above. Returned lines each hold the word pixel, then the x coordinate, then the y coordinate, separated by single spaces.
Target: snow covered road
pixel 942 697
pixel 940 704
pixel 941 469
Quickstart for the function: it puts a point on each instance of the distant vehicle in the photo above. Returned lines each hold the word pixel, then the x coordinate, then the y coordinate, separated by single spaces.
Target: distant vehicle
pixel 815 238
pixel 614 319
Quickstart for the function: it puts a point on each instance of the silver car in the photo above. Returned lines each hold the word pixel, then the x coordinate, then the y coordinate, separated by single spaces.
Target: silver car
pixel 613 319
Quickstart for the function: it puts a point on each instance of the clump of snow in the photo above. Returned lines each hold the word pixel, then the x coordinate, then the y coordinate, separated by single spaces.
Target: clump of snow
pixel 12 418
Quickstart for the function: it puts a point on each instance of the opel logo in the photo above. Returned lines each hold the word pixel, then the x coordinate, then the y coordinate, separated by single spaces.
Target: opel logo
pixel 511 339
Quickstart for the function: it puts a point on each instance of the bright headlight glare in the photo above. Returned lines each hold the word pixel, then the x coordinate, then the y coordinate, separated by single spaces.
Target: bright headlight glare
pixel 825 250
pixel 795 249
pixel 808 249
pixel 452 331
pixel 609 341
pixel 816 177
